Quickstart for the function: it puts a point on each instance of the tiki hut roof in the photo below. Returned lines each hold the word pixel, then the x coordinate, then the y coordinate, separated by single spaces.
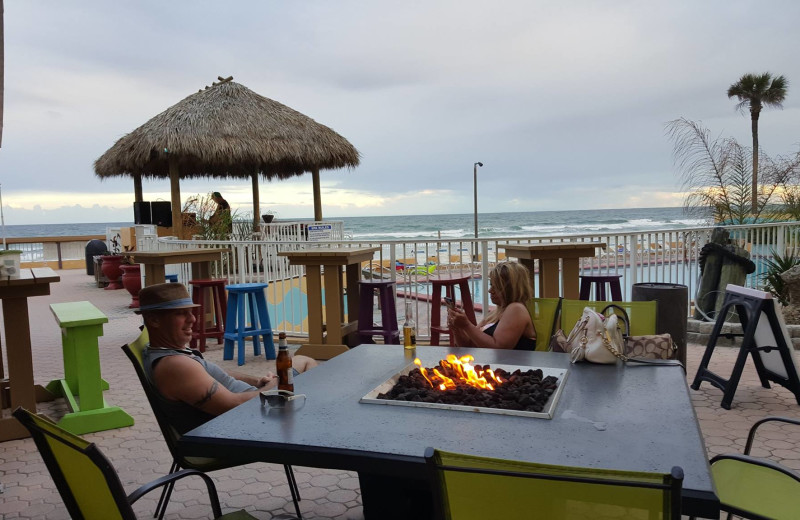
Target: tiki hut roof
pixel 227 130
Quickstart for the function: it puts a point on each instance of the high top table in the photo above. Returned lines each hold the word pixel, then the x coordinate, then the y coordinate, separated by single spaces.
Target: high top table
pixel 548 255
pixel 154 262
pixel 331 261
pixel 633 418
pixel 14 292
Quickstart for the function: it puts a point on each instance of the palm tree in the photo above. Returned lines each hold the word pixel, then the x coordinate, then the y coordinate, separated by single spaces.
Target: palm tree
pixel 755 91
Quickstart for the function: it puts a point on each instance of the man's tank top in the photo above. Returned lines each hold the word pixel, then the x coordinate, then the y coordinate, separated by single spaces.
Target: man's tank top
pixel 183 416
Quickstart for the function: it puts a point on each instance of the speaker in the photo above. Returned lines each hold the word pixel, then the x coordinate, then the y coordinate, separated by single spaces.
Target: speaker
pixel 141 213
pixel 162 213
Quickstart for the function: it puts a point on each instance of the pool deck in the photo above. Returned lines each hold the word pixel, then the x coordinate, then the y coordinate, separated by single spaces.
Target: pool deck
pixel 140 455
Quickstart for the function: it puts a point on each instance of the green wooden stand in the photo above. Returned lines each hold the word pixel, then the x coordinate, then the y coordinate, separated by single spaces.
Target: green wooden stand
pixel 81 324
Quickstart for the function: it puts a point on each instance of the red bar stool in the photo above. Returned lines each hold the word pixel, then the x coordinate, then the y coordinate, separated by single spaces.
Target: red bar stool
pixel 201 331
pixel 449 282
pixel 600 282
pixel 386 301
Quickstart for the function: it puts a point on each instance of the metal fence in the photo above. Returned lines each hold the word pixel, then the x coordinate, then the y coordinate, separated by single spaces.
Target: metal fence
pixel 669 255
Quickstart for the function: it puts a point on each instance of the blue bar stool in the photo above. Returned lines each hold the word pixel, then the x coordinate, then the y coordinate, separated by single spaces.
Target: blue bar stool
pixel 244 299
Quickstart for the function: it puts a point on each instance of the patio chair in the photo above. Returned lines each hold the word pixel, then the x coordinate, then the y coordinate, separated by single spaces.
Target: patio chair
pixel 642 315
pixel 466 487
pixel 756 488
pixel 134 352
pixel 86 480
pixel 544 314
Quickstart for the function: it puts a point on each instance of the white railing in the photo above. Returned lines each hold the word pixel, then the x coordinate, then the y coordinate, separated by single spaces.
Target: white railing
pixel 669 256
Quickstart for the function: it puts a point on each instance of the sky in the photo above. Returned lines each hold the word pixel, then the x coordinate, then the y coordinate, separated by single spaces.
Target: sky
pixel 564 103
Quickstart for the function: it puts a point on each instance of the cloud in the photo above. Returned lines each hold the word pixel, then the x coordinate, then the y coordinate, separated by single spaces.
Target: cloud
pixel 551 97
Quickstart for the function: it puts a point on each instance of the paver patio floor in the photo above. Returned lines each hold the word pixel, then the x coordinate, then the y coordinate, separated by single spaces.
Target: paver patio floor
pixel 140 455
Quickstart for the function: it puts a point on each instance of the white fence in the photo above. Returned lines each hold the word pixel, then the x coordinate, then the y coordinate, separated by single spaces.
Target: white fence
pixel 669 256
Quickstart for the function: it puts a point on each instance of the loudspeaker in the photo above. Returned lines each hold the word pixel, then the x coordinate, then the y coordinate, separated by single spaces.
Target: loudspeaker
pixel 162 213
pixel 141 213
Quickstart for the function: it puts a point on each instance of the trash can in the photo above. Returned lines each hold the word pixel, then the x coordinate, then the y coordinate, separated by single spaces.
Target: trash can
pixel 672 313
pixel 93 248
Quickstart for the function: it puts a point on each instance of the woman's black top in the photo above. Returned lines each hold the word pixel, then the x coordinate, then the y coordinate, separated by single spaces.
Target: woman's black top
pixel 523 343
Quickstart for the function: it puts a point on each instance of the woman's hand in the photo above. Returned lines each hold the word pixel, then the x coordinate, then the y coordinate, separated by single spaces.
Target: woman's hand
pixel 457 319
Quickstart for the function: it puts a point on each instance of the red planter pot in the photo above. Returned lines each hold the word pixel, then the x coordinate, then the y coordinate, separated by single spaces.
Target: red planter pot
pixel 132 281
pixel 111 268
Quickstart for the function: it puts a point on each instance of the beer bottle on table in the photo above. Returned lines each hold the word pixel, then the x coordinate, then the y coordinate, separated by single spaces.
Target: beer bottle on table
pixel 283 365
pixel 409 329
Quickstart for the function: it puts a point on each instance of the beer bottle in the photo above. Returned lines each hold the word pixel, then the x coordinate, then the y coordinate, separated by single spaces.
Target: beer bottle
pixel 283 365
pixel 409 329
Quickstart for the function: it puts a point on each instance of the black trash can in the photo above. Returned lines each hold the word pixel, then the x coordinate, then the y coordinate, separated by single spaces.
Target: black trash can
pixel 673 310
pixel 93 248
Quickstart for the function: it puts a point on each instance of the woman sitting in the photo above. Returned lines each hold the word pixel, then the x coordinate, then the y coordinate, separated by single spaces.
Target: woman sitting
pixel 509 324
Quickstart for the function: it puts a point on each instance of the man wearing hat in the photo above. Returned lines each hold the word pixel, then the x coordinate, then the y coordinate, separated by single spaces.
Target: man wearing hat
pixel 192 390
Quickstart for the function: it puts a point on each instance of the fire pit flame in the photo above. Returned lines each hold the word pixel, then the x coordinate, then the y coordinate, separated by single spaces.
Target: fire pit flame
pixel 461 369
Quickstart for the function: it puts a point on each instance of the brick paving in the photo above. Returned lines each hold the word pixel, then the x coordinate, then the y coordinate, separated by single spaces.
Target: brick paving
pixel 139 454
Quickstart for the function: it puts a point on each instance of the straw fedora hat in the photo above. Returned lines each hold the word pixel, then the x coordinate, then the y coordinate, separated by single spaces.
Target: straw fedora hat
pixel 164 297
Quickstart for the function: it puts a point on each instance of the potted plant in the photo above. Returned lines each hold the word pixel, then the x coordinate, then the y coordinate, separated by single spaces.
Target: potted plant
pixel 111 264
pixel 131 279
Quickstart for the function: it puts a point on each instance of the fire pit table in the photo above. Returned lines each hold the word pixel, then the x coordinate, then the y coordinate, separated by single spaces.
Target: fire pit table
pixel 607 416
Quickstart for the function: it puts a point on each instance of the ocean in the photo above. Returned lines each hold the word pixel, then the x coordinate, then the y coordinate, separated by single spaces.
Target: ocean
pixel 411 227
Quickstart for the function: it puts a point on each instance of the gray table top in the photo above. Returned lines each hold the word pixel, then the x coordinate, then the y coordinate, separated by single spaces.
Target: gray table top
pixel 633 417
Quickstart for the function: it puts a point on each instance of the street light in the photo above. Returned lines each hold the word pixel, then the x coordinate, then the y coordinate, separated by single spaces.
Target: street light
pixel 475 172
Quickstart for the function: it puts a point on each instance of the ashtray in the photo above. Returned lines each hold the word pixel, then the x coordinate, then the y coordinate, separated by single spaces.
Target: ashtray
pixel 279 398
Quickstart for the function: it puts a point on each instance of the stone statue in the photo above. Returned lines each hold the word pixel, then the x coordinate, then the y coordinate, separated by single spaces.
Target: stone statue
pixel 791 280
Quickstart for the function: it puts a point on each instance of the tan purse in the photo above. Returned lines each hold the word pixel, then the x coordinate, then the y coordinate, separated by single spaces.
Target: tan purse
pixel 655 346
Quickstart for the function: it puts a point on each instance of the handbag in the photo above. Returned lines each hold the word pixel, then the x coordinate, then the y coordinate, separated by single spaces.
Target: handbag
pixel 652 346
pixel 590 339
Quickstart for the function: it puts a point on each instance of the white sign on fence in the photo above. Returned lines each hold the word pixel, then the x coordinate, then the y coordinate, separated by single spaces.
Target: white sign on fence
pixel 320 232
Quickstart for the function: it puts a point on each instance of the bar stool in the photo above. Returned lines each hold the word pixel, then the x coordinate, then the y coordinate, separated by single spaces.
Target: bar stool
pixel 600 282
pixel 245 297
pixel 386 302
pixel 171 278
pixel 201 330
pixel 449 283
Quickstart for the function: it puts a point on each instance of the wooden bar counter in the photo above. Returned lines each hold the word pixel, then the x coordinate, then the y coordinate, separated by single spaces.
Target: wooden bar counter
pixel 154 262
pixel 331 261
pixel 548 255
pixel 21 391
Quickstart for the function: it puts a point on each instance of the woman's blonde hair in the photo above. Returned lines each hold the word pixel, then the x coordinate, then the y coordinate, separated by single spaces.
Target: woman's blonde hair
pixel 512 281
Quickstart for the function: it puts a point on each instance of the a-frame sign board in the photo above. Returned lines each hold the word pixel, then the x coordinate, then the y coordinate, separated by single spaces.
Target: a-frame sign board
pixel 764 337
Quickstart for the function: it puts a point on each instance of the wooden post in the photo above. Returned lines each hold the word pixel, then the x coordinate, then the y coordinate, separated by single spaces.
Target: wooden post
pixel 256 202
pixel 317 198
pixel 175 190
pixel 137 187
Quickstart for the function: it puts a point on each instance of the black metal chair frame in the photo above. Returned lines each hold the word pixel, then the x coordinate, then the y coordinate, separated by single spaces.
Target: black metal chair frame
pixel 179 460
pixel 115 487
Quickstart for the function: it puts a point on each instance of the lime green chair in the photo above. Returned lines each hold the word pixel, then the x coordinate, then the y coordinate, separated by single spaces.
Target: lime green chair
pixel 756 488
pixel 544 314
pixel 642 315
pixel 86 480
pixel 466 487
pixel 134 351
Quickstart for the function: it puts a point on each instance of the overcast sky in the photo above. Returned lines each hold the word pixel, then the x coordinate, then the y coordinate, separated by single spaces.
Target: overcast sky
pixel 564 103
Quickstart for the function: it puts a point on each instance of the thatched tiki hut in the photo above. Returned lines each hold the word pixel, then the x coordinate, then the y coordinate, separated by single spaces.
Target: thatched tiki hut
pixel 224 131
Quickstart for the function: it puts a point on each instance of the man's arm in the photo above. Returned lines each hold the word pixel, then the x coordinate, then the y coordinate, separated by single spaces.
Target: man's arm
pixel 265 382
pixel 181 378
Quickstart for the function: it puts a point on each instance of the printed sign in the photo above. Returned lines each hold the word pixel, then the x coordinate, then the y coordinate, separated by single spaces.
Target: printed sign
pixel 320 232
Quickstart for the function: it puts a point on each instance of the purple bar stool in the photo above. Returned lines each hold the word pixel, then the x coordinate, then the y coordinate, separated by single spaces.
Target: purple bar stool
pixel 600 282
pixel 388 328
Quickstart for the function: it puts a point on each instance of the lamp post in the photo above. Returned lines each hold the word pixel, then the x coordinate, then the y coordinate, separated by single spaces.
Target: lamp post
pixel 475 191
pixel 475 177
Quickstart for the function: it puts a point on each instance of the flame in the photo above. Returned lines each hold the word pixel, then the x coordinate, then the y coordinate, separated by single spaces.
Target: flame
pixel 460 369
